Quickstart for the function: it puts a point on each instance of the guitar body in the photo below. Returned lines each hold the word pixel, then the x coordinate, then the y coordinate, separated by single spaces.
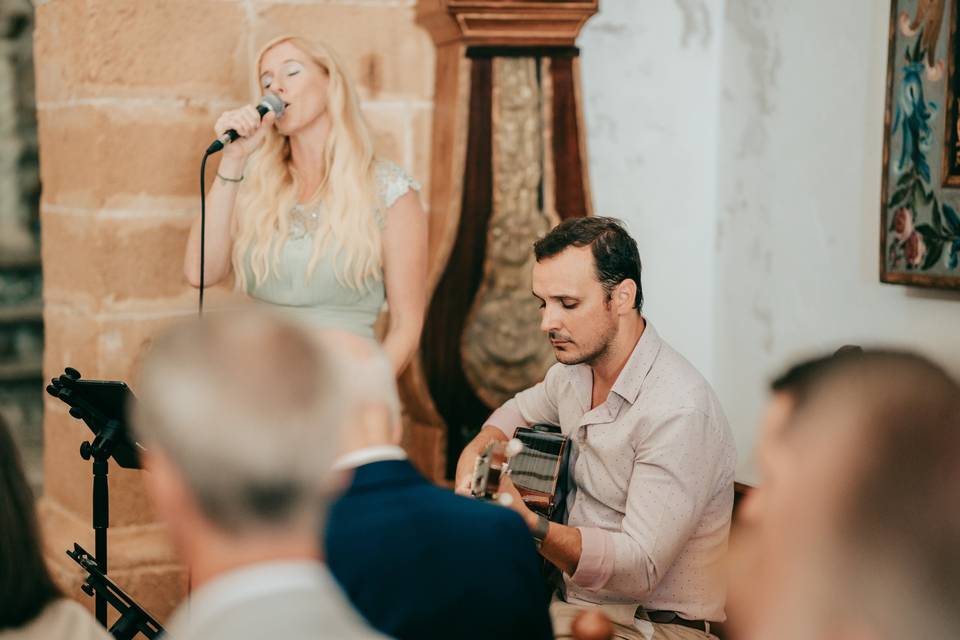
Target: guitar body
pixel 540 471
pixel 536 461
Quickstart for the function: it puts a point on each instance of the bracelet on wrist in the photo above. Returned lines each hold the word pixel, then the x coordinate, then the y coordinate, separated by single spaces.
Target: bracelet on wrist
pixel 226 179
pixel 540 529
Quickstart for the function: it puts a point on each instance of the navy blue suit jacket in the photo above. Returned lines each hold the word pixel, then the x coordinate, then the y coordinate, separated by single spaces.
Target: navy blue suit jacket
pixel 420 562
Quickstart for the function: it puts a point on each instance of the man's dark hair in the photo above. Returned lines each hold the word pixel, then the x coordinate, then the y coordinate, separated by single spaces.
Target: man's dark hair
pixel 25 583
pixel 798 379
pixel 903 516
pixel 615 253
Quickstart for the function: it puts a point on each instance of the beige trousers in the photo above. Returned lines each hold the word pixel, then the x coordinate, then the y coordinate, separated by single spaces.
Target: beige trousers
pixel 563 613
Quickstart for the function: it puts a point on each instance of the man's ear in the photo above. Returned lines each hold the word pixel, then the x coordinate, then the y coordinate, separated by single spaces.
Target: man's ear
pixel 175 505
pixel 625 294
pixel 165 485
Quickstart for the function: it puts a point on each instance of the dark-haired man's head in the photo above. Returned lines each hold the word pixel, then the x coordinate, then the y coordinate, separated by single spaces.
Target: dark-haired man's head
pixel 788 391
pixel 796 381
pixel 587 277
pixel 858 535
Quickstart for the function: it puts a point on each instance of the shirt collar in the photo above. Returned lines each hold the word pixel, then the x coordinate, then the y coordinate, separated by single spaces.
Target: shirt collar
pixel 367 455
pixel 630 379
pixel 251 583
pixel 638 365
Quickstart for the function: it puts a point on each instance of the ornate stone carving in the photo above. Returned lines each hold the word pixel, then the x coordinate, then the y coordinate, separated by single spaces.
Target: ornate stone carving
pixel 502 347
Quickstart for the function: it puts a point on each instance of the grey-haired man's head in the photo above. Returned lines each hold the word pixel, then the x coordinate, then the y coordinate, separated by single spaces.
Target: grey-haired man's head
pixel 245 410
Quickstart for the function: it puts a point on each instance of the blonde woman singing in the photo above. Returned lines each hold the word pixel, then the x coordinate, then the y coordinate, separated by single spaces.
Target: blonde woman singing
pixel 304 214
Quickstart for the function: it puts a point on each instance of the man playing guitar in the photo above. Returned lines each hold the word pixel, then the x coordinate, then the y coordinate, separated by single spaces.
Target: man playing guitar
pixel 652 456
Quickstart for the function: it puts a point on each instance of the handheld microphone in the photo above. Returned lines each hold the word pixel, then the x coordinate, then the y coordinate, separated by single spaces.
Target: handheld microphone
pixel 268 103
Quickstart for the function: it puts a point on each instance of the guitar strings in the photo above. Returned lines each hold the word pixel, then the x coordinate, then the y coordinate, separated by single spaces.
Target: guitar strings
pixel 535 467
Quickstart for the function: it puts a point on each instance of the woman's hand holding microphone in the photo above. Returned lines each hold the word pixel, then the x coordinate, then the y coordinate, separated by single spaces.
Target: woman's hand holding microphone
pixel 246 122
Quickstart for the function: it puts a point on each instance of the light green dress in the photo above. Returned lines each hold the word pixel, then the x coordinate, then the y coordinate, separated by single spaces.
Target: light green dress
pixel 321 300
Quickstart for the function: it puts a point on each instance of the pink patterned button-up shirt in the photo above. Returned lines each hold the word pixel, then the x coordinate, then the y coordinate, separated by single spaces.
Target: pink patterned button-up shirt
pixel 652 470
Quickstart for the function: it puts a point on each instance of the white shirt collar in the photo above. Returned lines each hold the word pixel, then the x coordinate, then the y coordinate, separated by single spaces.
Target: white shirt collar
pixel 367 455
pixel 251 583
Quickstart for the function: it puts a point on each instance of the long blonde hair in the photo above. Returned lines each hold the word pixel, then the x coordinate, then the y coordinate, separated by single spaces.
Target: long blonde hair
pixel 348 226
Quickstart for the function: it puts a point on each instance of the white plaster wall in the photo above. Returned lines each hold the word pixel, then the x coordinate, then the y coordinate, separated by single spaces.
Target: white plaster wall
pixel 741 141
pixel 798 215
pixel 650 75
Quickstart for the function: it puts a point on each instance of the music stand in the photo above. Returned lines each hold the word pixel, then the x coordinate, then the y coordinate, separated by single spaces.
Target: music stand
pixel 102 405
pixel 133 618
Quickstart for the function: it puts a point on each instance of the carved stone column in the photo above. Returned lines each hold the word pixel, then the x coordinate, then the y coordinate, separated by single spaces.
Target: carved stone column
pixel 508 163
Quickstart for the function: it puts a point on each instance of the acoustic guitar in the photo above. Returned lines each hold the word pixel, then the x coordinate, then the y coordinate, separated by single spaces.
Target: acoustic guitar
pixel 536 461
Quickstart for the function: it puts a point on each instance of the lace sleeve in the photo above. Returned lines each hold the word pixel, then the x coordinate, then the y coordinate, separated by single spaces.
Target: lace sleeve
pixel 392 183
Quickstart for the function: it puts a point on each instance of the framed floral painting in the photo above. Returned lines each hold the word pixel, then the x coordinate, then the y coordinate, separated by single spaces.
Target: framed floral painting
pixel 920 211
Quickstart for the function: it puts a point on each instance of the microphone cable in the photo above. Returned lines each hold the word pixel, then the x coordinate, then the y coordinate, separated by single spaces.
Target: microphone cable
pixel 269 102
pixel 203 226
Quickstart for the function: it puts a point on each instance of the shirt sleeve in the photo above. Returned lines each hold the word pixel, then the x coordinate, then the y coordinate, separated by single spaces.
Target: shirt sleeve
pixel 673 481
pixel 531 406
pixel 507 418
pixel 538 404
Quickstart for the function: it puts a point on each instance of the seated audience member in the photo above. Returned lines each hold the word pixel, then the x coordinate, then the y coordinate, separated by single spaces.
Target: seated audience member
pixel 786 392
pixel 419 561
pixel 240 415
pixel 653 458
pixel 31 606
pixel 856 537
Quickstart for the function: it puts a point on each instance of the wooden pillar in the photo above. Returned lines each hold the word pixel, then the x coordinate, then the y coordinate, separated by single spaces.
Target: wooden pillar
pixel 508 163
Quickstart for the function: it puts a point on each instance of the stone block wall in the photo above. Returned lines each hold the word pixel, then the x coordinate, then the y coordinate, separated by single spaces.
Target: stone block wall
pixel 127 93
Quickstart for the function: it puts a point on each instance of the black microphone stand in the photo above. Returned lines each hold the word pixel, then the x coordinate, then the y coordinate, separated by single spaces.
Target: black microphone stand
pixel 99 451
pixel 133 618
pixel 110 440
